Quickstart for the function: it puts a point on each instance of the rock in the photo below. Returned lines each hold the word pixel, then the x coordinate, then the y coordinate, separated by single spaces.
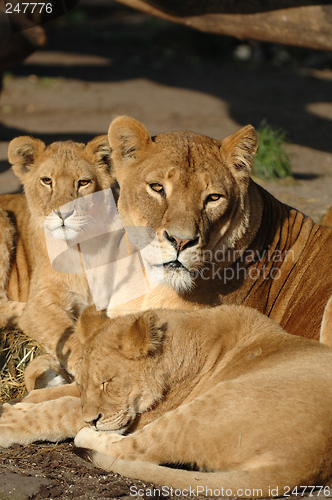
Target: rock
pixel 20 487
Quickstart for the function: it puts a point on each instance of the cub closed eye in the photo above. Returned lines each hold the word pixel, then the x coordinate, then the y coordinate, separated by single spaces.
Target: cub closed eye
pixel 83 182
pixel 158 188
pixel 47 181
pixel 213 197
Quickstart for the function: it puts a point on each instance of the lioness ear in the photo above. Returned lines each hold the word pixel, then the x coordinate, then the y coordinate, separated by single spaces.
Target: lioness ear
pixel 101 151
pixel 143 338
pixel 127 137
pixel 240 148
pixel 89 322
pixel 22 153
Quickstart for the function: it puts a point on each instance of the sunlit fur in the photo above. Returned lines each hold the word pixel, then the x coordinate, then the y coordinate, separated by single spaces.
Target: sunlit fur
pixel 43 302
pixel 224 389
pixel 223 238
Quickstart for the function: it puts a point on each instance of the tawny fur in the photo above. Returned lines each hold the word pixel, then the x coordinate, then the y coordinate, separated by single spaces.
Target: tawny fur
pixel 327 219
pixel 326 326
pixel 262 253
pixel 224 389
pixel 228 391
pixel 10 310
pixel 183 374
pixel 42 302
pixel 45 371
pixel 280 259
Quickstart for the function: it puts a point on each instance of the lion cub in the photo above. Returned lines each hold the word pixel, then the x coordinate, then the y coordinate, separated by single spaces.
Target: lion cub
pixel 45 303
pixel 225 389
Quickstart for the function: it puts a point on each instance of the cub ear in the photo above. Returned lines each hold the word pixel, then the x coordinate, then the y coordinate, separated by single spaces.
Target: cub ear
pixel 143 338
pixel 101 152
pixel 127 137
pixel 22 154
pixel 240 148
pixel 89 322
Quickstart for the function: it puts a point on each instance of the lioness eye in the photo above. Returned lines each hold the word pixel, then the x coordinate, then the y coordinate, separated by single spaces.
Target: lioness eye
pixel 158 188
pixel 47 181
pixel 213 197
pixel 83 182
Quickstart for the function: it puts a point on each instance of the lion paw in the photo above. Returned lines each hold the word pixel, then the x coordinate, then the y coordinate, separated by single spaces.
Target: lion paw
pixel 96 440
pixel 10 425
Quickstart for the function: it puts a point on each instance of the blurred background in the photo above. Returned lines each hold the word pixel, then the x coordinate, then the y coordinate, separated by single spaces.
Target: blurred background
pixel 103 59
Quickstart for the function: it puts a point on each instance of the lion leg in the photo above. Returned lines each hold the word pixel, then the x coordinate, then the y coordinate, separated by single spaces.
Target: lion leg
pixel 139 455
pixel 262 481
pixel 58 338
pixel 255 483
pixel 185 436
pixel 45 371
pixel 48 394
pixel 54 421
pixel 10 310
pixel 51 393
pixel 326 326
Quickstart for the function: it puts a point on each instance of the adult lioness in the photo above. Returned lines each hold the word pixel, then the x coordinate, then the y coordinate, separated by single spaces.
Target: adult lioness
pixel 327 219
pixel 225 389
pixel 51 176
pixel 224 239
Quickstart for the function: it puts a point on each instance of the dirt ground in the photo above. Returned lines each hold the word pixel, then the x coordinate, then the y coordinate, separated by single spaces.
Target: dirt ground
pixel 103 60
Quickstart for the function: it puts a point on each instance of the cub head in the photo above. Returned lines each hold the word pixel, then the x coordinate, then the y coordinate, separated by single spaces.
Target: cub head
pixel 55 175
pixel 117 375
pixel 191 189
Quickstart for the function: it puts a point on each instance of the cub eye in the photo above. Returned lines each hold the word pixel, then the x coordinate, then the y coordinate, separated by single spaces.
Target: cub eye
pixel 158 188
pixel 47 181
pixel 104 386
pixel 83 182
pixel 213 197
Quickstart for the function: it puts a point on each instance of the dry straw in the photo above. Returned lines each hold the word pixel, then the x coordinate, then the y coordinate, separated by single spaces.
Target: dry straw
pixel 16 352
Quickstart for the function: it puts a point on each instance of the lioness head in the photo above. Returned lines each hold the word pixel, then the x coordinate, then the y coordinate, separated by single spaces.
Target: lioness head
pixel 117 373
pixel 191 189
pixel 55 175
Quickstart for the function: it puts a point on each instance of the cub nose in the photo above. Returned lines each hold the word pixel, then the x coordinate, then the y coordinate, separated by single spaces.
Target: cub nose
pixel 64 215
pixel 180 244
pixel 93 423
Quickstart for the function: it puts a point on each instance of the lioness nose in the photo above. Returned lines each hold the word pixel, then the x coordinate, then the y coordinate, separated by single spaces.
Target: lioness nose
pixel 180 244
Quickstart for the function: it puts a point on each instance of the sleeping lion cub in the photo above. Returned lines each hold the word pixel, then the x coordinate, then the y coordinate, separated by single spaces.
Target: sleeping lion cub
pixel 223 389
